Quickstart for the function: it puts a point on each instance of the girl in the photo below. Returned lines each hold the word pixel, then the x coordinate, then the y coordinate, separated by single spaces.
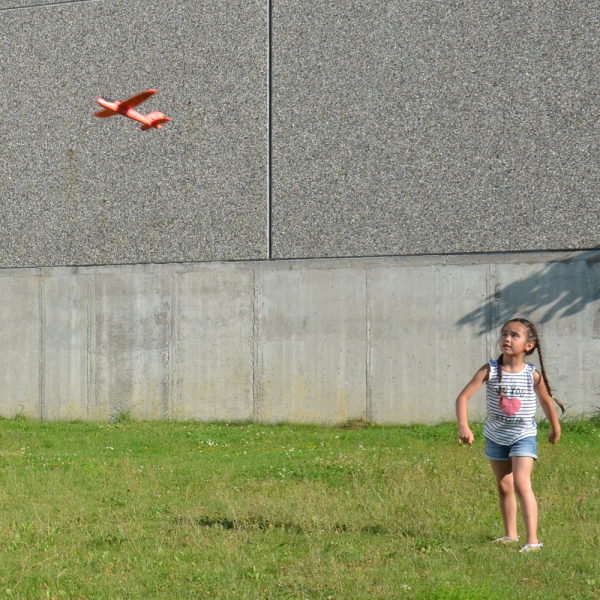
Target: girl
pixel 510 427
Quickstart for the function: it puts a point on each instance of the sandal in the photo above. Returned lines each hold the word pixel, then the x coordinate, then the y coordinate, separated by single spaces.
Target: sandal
pixel 505 540
pixel 531 547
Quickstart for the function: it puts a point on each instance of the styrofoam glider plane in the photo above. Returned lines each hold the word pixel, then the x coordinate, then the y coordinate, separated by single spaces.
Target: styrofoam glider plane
pixel 153 119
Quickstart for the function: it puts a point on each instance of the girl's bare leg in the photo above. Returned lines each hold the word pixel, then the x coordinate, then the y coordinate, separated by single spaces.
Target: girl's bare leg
pixel 522 467
pixel 503 470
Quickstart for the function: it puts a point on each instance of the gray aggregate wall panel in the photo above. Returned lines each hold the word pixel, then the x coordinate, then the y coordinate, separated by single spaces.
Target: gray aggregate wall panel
pixel 77 190
pixel 420 356
pixel 422 127
pixel 312 346
pixel 20 329
pixel 214 350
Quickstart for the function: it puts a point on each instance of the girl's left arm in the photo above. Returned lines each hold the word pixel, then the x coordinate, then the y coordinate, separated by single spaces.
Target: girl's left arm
pixel 547 406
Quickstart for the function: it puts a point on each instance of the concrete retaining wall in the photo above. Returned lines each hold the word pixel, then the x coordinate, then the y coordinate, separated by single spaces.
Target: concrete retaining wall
pixel 391 340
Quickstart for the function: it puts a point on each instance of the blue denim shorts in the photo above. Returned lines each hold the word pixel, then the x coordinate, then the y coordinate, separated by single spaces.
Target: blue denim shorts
pixel 525 447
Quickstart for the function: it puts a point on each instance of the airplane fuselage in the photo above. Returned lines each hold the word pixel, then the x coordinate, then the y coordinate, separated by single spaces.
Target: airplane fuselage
pixel 153 120
pixel 126 112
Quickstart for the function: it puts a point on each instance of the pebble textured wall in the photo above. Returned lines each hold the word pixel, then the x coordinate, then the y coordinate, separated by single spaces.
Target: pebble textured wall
pixel 75 190
pixel 411 127
pixel 419 127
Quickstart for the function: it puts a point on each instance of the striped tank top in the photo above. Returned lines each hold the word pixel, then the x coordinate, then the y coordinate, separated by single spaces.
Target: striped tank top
pixel 515 419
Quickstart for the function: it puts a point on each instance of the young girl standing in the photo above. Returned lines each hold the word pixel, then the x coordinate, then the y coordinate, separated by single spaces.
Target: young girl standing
pixel 510 427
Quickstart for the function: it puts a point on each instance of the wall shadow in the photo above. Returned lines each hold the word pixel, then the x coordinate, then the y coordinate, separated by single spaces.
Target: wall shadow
pixel 560 289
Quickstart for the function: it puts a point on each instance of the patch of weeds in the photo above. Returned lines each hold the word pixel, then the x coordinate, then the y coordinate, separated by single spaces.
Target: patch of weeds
pixel 374 529
pixel 160 509
pixel 355 425
pixel 116 500
pixel 330 547
pixel 108 538
pixel 241 523
pixel 123 417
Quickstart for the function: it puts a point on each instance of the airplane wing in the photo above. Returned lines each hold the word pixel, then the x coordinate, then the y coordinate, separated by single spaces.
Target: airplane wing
pixel 105 113
pixel 135 100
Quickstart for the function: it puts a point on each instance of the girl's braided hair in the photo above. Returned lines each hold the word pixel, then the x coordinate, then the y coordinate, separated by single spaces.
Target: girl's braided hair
pixel 532 336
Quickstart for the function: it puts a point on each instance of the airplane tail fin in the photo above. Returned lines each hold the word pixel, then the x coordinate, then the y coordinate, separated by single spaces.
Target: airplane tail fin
pixel 156 120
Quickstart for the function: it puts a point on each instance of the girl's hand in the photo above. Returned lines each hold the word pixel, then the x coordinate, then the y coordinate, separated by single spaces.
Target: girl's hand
pixel 466 435
pixel 554 435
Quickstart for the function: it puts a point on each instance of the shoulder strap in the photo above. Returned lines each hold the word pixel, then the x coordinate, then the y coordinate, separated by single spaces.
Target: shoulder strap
pixel 530 369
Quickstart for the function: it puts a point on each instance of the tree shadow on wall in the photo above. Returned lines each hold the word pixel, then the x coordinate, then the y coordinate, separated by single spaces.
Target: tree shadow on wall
pixel 561 289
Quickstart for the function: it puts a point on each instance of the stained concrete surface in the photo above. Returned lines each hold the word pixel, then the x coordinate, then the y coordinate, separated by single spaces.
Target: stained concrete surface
pixel 21 391
pixel 312 345
pixel 414 340
pixel 390 340
pixel 64 353
pixel 213 346
pixel 131 345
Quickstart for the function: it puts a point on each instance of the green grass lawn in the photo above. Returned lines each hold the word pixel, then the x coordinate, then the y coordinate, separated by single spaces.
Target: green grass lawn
pixel 190 510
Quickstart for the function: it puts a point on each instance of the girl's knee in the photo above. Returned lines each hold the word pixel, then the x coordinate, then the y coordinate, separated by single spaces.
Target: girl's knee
pixel 505 486
pixel 522 485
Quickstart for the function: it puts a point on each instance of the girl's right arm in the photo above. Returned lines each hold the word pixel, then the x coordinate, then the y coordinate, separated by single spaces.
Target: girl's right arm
pixel 465 434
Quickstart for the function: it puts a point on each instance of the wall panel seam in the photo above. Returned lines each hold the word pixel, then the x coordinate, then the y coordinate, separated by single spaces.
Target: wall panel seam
pixel 270 132
pixel 46 5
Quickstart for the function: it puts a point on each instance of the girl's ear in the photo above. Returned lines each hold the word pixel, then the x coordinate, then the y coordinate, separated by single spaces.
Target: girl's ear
pixel 529 347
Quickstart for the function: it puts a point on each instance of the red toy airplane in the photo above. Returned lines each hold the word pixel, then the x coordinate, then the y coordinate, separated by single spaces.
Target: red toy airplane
pixel 114 107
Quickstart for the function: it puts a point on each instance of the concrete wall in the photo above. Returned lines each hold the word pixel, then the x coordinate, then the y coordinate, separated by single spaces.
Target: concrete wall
pixel 309 130
pixel 390 128
pixel 391 340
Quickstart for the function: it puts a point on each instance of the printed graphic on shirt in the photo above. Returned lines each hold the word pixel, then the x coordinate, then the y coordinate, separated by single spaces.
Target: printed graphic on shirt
pixel 512 418
pixel 514 392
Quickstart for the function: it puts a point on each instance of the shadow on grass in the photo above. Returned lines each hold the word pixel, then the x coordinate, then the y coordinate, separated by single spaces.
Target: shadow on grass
pixel 263 524
pixel 242 523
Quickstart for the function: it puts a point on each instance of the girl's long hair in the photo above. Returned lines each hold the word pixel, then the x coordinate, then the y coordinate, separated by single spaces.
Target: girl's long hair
pixel 532 336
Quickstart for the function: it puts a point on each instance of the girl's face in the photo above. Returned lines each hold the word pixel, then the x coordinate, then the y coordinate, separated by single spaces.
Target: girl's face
pixel 513 339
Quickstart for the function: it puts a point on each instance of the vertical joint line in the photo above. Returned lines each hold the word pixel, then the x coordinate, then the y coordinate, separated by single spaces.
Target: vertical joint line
pixel 270 130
